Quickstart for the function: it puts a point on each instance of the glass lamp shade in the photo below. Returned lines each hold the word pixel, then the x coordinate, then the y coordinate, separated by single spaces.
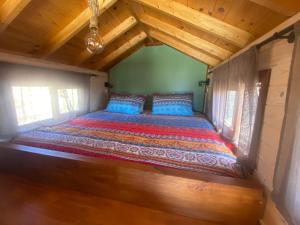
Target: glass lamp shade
pixel 93 42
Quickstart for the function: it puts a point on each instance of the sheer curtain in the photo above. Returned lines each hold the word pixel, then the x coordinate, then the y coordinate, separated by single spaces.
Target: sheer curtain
pixel 235 102
pixel 287 173
pixel 220 83
pixel 245 70
pixel 32 97
pixel 8 120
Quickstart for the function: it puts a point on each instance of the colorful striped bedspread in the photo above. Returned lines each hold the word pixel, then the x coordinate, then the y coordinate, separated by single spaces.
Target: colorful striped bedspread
pixel 187 143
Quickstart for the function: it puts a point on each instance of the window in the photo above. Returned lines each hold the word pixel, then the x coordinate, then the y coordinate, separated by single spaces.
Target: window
pixel 230 107
pixel 68 100
pixel 35 104
pixel 32 104
pixel 233 113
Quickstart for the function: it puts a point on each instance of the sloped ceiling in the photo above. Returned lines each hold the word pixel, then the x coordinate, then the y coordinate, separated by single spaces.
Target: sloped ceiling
pixel 207 30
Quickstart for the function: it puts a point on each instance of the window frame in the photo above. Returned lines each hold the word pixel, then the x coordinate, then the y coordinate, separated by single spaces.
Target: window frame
pixel 232 130
pixel 24 98
pixel 58 102
pixel 56 115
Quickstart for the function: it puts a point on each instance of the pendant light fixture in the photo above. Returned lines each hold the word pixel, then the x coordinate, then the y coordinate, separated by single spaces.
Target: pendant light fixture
pixel 93 41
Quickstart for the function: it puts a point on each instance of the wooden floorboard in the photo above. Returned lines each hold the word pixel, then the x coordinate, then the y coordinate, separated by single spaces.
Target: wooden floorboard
pixel 28 203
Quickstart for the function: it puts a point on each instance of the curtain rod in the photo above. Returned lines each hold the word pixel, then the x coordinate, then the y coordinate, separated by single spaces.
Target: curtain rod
pixel 276 36
pixel 287 23
pixel 280 35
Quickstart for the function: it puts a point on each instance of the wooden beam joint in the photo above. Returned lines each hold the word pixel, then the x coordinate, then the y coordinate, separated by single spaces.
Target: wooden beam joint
pixel 9 10
pixel 71 29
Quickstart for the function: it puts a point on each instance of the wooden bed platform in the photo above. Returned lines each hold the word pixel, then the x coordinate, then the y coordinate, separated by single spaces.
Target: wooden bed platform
pixel 205 197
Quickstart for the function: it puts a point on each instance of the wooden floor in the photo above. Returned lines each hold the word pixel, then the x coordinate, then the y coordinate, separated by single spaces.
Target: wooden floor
pixel 132 188
pixel 28 203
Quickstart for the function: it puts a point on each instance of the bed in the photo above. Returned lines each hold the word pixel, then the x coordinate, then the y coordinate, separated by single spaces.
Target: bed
pixel 175 164
pixel 188 143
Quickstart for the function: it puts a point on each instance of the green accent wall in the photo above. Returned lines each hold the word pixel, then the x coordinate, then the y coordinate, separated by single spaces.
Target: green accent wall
pixel 159 69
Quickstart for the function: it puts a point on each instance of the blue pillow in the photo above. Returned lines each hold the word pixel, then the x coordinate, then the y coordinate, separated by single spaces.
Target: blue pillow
pixel 173 104
pixel 128 104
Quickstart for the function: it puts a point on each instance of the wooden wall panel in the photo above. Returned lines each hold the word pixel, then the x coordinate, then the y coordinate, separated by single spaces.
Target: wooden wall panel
pixel 98 93
pixel 276 56
pixel 272 215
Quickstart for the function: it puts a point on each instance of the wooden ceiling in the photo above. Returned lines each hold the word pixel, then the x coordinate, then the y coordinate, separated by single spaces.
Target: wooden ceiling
pixel 207 30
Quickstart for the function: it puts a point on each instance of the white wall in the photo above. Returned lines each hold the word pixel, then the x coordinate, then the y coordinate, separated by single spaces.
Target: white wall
pixel 98 93
pixel 276 56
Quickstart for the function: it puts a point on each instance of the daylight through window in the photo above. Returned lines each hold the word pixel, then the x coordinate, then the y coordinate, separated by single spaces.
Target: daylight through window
pixel 32 104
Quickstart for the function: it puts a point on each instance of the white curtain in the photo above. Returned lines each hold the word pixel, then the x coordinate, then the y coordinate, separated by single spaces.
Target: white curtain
pixel 8 120
pixel 247 68
pixel 235 101
pixel 32 97
pixel 220 82
pixel 287 173
pixel 292 192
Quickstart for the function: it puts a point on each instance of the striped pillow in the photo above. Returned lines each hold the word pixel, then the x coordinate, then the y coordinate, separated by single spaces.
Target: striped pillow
pixel 128 104
pixel 173 104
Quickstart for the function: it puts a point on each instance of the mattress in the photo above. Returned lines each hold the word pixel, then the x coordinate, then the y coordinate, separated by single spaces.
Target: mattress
pixel 186 143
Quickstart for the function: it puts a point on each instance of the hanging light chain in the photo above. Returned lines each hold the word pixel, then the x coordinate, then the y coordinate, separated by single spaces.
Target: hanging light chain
pixel 94 7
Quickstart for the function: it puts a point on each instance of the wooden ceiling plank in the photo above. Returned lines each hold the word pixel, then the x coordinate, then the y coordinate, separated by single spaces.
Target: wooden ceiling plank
pixel 73 28
pixel 200 20
pixel 274 6
pixel 116 32
pixel 185 37
pixel 9 10
pixel 186 49
pixel 122 49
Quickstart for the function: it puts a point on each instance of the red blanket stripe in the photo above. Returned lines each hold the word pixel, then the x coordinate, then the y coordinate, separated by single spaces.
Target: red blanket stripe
pixel 148 129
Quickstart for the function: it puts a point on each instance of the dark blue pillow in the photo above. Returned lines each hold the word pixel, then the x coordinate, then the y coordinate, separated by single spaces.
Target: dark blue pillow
pixel 128 104
pixel 173 104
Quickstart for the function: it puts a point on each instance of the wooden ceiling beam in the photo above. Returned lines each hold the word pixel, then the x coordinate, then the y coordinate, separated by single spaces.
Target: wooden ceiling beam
pixel 135 10
pixel 116 32
pixel 15 58
pixel 71 29
pixel 123 56
pixel 185 37
pixel 275 6
pixel 9 10
pixel 200 20
pixel 121 50
pixel 186 49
